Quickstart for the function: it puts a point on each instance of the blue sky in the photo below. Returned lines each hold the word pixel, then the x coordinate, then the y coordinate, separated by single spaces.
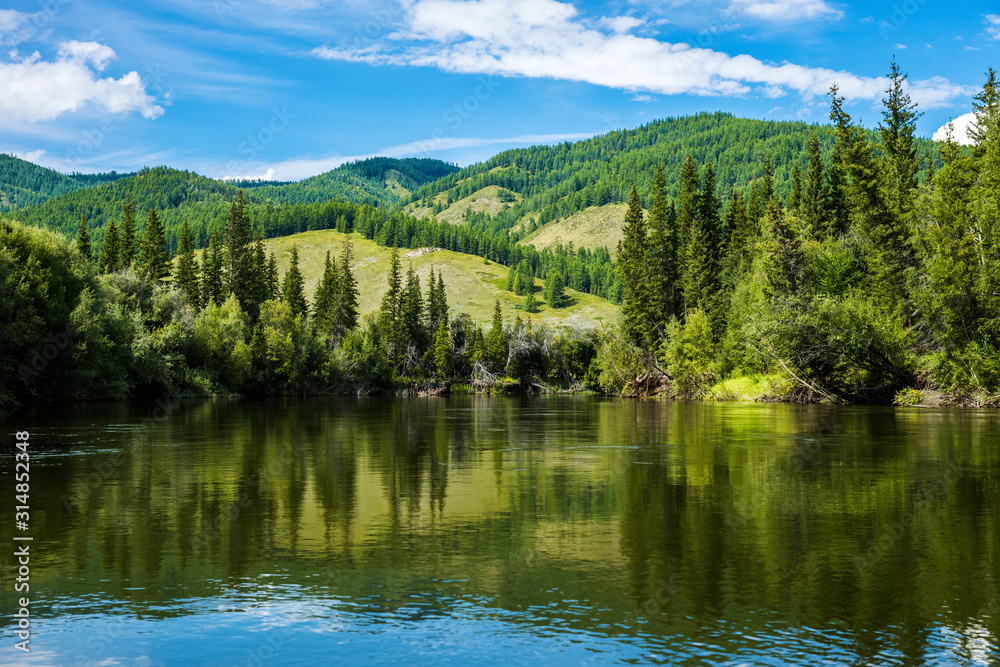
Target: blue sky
pixel 290 88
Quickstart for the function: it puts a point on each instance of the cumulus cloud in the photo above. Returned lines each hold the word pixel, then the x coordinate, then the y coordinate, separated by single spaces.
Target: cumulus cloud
pixel 38 90
pixel 32 156
pixel 993 26
pixel 785 10
pixel 545 39
pixel 960 133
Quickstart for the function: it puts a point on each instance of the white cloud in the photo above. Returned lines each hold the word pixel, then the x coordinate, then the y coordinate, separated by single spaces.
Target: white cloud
pixel 900 46
pixel 38 90
pixel 304 167
pixel 11 20
pixel 621 23
pixel 993 26
pixel 960 133
pixel 32 156
pixel 543 39
pixel 642 98
pixel 786 10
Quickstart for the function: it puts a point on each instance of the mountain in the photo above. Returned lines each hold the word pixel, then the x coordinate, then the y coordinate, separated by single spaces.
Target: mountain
pixel 24 184
pixel 543 184
pixel 177 195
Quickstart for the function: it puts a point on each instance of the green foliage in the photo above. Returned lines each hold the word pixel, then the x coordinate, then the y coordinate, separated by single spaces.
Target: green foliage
pixel 688 355
pixel 555 290
pixel 293 287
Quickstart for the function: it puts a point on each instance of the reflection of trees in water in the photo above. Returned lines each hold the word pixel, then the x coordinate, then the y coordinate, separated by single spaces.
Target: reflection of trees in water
pixel 662 510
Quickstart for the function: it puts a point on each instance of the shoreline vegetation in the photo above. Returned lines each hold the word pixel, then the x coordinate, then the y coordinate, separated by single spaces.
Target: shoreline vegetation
pixel 874 279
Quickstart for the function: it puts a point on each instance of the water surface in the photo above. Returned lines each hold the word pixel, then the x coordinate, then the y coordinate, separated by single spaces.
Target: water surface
pixel 495 530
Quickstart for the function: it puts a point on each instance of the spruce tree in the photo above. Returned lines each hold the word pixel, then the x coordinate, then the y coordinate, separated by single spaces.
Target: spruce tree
pixel 634 273
pixel 555 289
pixel 293 288
pixel 155 256
pixel 211 275
pixel 390 321
pixel 259 278
pixel 273 284
pixel 530 303
pixel 795 198
pixel 129 245
pixel 239 253
pixel 813 208
pixel 986 106
pixel 324 304
pixel 111 251
pixel 662 255
pixel 900 154
pixel 496 343
pixel 186 275
pixel 83 238
pixel 412 312
pixel 444 353
pixel 346 312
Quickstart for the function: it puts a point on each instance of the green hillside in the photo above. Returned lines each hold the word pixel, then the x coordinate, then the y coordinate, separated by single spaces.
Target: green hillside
pixel 554 182
pixel 472 285
pixel 24 184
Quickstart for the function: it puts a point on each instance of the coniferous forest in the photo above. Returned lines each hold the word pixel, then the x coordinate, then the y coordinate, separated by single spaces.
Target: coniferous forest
pixel 842 264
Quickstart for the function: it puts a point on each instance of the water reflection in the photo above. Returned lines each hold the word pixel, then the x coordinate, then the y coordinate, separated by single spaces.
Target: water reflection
pixel 581 528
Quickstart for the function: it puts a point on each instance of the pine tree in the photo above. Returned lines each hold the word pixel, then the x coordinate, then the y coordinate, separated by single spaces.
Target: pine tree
pixel 662 255
pixel 239 254
pixel 293 287
pixel 795 198
pixel 813 207
pixel 325 302
pixel 346 311
pixel 687 205
pixel 129 245
pixel 390 321
pixel 211 274
pixel 634 273
pixel 111 255
pixel 186 275
pixel 273 284
pixel 496 343
pixel 986 106
pixel 530 303
pixel 83 238
pixel 412 313
pixel 900 154
pixel 259 270
pixel 555 289
pixel 155 256
pixel 444 352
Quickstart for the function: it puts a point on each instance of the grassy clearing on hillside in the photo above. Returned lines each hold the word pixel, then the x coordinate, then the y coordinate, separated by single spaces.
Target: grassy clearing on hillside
pixel 472 286
pixel 486 199
pixel 591 228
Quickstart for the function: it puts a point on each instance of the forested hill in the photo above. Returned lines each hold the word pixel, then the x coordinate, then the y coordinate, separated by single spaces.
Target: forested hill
pixel 556 181
pixel 377 180
pixel 177 195
pixel 24 184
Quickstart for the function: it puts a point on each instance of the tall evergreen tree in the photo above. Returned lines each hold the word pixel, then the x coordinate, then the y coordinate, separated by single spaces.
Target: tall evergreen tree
pixel 111 251
pixel 211 274
pixel 412 313
pixel 259 278
pixel 239 253
pixel 444 352
pixel 634 272
pixel 795 198
pixel 555 289
pixel 346 311
pixel 155 256
pixel 390 320
pixel 687 205
pixel 186 275
pixel 273 283
pixel 899 152
pixel 813 207
pixel 662 254
pixel 986 106
pixel 129 243
pixel 324 304
pixel 83 238
pixel 293 287
pixel 496 342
